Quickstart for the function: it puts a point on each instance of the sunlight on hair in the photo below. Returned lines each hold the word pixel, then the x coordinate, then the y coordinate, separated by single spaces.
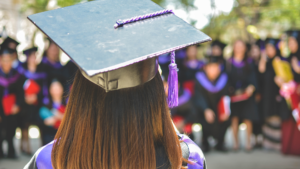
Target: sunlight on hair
pixel 197 127
pixel 18 133
pixel 243 126
pixel 34 132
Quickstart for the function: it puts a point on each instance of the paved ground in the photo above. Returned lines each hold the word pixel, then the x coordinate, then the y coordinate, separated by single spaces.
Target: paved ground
pixel 258 159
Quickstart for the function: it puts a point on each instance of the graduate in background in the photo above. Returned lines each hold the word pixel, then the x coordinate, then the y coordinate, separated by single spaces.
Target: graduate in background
pixel 52 113
pixel 217 47
pixel 274 106
pixel 243 83
pixel 12 97
pixel 13 44
pixel 51 64
pixel 213 102
pixel 191 66
pixel 36 95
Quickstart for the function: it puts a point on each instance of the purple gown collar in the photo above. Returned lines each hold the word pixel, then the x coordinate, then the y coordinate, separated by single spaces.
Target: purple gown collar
pixel 35 75
pixel 194 64
pixel 196 156
pixel 220 84
pixel 55 65
pixel 5 82
pixel 239 64
pixel 185 97
pixel 43 159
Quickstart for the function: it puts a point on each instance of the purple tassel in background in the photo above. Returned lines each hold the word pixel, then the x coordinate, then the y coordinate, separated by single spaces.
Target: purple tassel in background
pixel 173 83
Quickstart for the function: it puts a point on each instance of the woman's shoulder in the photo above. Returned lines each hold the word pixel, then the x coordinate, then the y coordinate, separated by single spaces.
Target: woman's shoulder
pixel 42 158
pixel 192 153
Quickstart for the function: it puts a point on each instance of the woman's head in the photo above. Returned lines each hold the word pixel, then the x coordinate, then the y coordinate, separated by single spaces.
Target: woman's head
pixel 293 44
pixel 212 70
pixel 6 62
pixel 53 52
pixel 239 48
pixel 117 129
pixel 191 52
pixel 271 50
pixel 56 90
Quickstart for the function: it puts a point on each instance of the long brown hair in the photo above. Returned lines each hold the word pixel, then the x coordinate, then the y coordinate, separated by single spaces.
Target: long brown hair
pixel 118 129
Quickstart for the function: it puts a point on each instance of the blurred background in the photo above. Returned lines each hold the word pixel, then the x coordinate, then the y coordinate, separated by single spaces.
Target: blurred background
pixel 254 23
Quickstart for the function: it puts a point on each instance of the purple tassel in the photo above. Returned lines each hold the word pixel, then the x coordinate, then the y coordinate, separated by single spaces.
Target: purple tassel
pixel 173 83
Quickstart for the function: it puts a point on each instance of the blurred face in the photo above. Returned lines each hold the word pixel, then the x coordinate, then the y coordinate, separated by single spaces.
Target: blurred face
pixel 56 90
pixel 216 50
pixel 191 53
pixel 12 45
pixel 255 52
pixel 239 48
pixel 293 45
pixel 31 59
pixel 212 70
pixel 6 62
pixel 53 53
pixel 270 51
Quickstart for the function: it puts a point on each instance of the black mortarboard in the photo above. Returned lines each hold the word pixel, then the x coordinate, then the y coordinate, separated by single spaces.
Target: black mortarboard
pixel 5 50
pixel 294 33
pixel 261 44
pixel 213 59
pixel 272 41
pixel 27 52
pixel 10 40
pixel 114 42
pixel 218 43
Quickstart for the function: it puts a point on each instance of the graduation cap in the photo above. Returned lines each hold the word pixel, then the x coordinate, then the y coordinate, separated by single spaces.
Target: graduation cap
pixel 9 40
pixel 272 41
pixel 115 43
pixel 5 49
pixel 294 33
pixel 218 43
pixel 29 51
pixel 213 59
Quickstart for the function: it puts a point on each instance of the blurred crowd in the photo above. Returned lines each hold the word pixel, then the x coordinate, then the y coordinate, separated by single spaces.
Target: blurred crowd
pixel 32 93
pixel 258 86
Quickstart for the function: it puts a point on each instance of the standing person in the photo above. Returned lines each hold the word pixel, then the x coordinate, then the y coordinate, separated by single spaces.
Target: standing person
pixel 36 95
pixel 274 106
pixel 211 90
pixel 243 84
pixel 256 50
pixel 217 47
pixel 117 115
pixel 53 112
pixel 290 131
pixel 12 97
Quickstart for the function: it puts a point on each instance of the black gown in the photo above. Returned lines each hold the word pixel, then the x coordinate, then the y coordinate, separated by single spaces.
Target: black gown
pixel 273 103
pixel 10 84
pixel 207 96
pixel 30 113
pixel 240 76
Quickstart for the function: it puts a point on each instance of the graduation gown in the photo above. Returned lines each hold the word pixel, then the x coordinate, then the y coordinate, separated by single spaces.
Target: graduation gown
pixel 190 151
pixel 207 96
pixel 54 71
pixel 10 93
pixel 241 75
pixel 273 104
pixel 30 113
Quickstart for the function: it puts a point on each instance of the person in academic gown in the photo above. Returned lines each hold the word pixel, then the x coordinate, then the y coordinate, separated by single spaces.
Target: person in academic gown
pixel 53 112
pixel 70 70
pixel 12 98
pixel 243 83
pixel 13 44
pixel 211 93
pixel 294 57
pixel 117 114
pixel 274 105
pixel 36 95
pixel 52 66
pixel 256 50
